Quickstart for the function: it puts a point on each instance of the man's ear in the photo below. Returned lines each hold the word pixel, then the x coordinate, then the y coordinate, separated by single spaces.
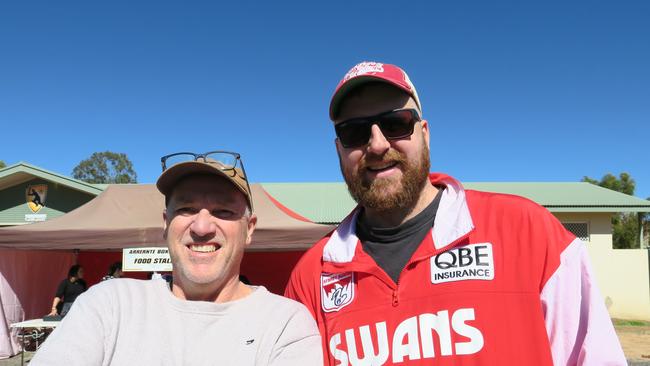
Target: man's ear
pixel 339 147
pixel 252 223
pixel 425 131
pixel 164 223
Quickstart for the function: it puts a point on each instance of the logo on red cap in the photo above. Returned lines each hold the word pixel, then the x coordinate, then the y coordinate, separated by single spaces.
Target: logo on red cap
pixel 362 69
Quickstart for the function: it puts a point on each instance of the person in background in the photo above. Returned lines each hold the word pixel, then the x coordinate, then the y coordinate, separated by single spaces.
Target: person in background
pixel 208 317
pixel 424 272
pixel 68 291
pixel 114 271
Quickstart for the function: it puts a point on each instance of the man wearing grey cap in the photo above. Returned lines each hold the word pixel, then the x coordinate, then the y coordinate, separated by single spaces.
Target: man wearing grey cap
pixel 209 317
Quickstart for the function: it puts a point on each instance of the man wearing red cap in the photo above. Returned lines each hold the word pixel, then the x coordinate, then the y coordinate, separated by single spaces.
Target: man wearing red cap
pixel 424 272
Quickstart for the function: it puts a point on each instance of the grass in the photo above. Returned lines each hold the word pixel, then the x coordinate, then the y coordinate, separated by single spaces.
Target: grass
pixel 634 323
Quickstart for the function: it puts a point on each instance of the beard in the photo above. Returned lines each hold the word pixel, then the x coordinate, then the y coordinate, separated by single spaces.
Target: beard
pixel 385 194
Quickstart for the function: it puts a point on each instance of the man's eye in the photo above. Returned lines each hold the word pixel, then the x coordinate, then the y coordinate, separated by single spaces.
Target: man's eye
pixel 223 214
pixel 185 211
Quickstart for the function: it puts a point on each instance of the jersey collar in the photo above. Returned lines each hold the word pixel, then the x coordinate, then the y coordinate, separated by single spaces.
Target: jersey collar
pixel 453 221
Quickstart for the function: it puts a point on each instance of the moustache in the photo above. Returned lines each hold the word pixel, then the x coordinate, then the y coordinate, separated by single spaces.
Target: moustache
pixel 392 156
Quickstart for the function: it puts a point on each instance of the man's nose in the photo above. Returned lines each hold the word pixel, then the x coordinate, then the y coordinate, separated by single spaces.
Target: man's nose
pixel 378 143
pixel 203 224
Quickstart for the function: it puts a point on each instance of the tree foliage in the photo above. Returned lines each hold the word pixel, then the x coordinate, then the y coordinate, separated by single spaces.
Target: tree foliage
pixel 106 167
pixel 624 184
pixel 625 225
pixel 2 164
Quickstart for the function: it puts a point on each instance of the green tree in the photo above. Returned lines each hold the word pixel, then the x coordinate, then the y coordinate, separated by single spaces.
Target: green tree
pixel 625 225
pixel 624 184
pixel 106 167
pixel 2 164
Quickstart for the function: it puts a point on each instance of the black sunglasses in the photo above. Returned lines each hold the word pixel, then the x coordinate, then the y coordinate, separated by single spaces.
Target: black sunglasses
pixel 395 124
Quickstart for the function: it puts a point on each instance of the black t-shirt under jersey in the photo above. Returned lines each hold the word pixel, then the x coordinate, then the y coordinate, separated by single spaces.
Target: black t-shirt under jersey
pixel 392 247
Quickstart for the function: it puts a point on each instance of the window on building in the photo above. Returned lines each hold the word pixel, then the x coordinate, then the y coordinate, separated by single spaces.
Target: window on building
pixel 579 229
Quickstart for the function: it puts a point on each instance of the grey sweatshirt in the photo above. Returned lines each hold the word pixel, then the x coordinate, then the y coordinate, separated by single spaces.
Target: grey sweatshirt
pixel 133 322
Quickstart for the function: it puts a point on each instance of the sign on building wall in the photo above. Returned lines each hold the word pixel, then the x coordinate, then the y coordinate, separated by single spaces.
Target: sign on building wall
pixel 147 259
pixel 35 217
pixel 35 196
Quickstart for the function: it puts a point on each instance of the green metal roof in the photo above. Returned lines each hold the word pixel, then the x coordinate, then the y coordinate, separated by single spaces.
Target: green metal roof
pixel 568 196
pixel 22 172
pixel 319 202
pixel 331 202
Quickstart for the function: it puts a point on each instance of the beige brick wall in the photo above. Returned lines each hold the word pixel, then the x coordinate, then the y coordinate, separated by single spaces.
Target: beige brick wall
pixel 622 274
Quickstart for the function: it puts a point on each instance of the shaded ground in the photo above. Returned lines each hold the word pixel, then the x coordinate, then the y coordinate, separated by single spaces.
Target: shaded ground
pixel 634 337
pixel 635 340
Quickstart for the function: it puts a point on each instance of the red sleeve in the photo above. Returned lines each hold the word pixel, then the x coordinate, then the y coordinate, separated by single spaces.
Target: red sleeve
pixel 299 288
pixel 550 232
pixel 304 287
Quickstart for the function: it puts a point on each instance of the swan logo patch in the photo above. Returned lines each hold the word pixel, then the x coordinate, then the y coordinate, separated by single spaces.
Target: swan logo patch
pixel 337 290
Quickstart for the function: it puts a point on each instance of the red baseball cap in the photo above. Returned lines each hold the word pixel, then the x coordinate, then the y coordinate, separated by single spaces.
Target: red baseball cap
pixel 372 71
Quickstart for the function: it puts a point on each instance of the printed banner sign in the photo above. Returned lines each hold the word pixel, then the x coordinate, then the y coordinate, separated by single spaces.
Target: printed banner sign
pixel 148 259
pixel 35 217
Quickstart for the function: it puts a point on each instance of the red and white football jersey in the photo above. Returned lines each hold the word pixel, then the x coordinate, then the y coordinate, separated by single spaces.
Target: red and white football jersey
pixel 498 282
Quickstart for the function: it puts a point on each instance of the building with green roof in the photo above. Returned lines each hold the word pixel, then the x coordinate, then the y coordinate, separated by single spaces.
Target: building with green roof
pixel 56 193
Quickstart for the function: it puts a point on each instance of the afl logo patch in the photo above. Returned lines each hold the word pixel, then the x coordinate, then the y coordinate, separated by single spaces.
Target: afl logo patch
pixel 336 290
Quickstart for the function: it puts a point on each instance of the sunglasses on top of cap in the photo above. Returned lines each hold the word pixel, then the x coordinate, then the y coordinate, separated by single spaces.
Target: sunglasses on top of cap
pixel 395 124
pixel 227 160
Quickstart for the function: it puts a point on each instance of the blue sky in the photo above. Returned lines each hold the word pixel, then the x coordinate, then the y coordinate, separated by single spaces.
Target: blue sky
pixel 513 91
